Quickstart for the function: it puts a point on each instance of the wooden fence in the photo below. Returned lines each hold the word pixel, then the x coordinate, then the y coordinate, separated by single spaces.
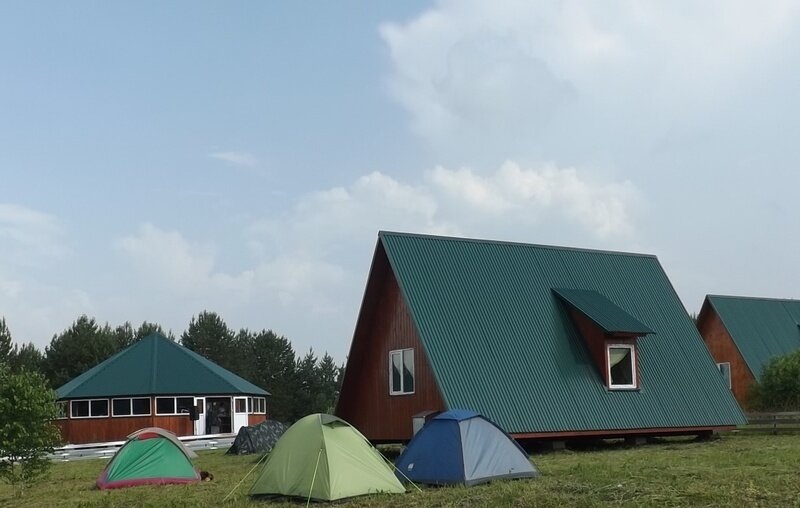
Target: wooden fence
pixel 773 422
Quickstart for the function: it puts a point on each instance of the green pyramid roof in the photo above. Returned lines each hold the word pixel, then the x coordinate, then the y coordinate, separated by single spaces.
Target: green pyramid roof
pixel 156 366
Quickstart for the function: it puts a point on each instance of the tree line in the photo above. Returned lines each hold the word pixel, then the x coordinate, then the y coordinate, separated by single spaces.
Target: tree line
pixel 299 384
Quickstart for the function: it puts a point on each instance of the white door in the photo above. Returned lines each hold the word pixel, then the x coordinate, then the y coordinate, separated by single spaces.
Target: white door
pixel 239 414
pixel 200 423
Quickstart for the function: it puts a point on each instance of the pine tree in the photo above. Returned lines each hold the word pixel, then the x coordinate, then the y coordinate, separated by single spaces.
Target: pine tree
pixel 5 342
pixel 26 358
pixel 209 336
pixel 271 365
pixel 327 379
pixel 78 349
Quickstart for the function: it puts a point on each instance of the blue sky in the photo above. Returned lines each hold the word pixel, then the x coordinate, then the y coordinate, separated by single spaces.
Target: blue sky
pixel 161 159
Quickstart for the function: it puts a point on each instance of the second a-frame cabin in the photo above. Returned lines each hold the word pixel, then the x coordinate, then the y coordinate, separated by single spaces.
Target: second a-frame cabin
pixel 744 333
pixel 548 342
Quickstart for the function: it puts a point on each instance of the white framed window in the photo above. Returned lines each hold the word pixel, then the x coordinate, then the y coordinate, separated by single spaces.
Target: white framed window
pixel 401 372
pixel 250 409
pixel 88 408
pixel 165 405
pixel 240 405
pixel 136 406
pixel 621 366
pixel 725 372
pixel 259 405
pixel 61 410
pixel 173 405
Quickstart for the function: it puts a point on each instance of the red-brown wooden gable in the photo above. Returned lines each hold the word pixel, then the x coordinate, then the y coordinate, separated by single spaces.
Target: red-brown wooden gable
pixel 598 341
pixel 384 324
pixel 721 346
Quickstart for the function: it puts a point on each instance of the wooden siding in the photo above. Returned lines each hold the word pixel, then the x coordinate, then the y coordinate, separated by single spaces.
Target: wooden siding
pixel 384 325
pixel 254 419
pixel 723 349
pixel 99 430
pixel 117 428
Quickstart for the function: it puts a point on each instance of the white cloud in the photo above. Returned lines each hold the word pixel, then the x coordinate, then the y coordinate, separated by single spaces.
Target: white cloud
pixel 27 234
pixel 171 263
pixel 530 195
pixel 507 74
pixel 234 158
pixel 167 257
pixel 36 310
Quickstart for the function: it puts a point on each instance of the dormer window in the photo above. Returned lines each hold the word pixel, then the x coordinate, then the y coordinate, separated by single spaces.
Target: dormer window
pixel 611 334
pixel 621 366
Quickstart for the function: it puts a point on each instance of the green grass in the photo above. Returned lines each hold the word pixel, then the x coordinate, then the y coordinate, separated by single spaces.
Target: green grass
pixel 736 470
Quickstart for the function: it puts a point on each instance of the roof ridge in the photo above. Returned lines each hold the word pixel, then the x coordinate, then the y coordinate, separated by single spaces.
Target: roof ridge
pixel 762 298
pixel 383 233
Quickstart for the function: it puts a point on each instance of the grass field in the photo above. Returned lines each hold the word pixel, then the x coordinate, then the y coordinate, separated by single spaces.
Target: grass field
pixel 735 470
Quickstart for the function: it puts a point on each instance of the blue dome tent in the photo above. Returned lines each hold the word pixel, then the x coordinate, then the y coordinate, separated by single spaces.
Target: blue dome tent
pixel 461 446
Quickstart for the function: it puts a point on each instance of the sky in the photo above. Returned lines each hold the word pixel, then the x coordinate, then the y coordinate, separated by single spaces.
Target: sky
pixel 160 159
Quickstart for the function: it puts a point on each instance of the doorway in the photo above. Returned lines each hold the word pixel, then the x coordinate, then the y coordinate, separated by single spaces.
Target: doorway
pixel 200 423
pixel 218 415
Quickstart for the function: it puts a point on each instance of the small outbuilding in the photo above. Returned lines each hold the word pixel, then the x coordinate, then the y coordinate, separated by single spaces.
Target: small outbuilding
pixel 156 383
pixel 744 333
pixel 548 342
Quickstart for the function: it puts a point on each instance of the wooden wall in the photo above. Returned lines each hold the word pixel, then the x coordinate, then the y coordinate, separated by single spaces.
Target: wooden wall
pixel 723 349
pixel 98 430
pixel 255 419
pixel 384 324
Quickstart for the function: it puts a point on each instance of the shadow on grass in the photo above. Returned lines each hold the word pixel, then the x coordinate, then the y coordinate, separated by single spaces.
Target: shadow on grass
pixel 605 445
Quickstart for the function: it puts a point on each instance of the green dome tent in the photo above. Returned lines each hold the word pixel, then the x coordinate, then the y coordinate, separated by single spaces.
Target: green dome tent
pixel 151 456
pixel 322 457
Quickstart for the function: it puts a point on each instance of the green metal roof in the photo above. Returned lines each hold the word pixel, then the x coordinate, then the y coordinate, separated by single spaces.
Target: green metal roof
pixel 501 343
pixel 602 311
pixel 156 366
pixel 762 328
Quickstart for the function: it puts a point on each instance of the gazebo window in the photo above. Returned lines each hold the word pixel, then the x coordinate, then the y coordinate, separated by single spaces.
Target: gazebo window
pixel 165 405
pixel 139 406
pixel 173 405
pixel 94 408
pixel 184 404
pixel 261 405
